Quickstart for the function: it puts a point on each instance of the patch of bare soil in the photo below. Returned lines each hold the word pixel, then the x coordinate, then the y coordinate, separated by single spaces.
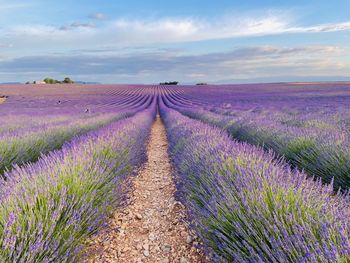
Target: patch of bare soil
pixel 151 228
pixel 3 99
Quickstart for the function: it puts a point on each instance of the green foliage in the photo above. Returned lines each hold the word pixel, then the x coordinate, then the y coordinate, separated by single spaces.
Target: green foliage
pixel 66 80
pixel 51 81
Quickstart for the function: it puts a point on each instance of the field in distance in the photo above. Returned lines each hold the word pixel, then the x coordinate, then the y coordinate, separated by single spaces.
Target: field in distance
pixel 259 172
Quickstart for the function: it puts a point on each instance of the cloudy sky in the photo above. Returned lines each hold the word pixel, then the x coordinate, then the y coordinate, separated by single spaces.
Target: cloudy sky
pixel 139 41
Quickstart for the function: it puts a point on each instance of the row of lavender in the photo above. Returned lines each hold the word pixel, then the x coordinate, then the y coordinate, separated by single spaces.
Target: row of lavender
pixel 23 114
pixel 26 136
pixel 33 101
pixel 18 148
pixel 320 144
pixel 249 207
pixel 48 208
pixel 318 106
pixel 323 108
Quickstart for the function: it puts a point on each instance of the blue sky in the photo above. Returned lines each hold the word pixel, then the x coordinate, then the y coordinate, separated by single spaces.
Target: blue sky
pixel 138 41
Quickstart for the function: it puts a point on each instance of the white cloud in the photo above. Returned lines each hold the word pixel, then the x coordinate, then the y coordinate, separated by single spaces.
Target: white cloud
pixel 97 16
pixel 77 25
pixel 181 27
pixel 321 28
pixel 89 49
pixel 127 32
pixel 189 29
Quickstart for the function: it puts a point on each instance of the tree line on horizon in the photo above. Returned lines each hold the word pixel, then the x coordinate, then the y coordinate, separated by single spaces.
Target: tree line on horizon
pixel 66 80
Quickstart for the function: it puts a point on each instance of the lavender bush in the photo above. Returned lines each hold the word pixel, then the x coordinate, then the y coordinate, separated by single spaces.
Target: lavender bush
pixel 321 152
pixel 249 207
pixel 48 208
pixel 43 129
pixel 18 148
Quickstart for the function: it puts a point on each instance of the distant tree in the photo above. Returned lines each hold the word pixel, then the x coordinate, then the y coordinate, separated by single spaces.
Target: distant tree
pixel 169 83
pixel 201 84
pixel 55 81
pixel 50 81
pixel 68 81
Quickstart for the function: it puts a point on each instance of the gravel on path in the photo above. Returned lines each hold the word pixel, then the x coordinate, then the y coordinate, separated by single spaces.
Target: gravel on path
pixel 151 228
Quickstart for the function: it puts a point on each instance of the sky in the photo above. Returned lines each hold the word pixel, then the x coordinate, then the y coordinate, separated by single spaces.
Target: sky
pixel 139 41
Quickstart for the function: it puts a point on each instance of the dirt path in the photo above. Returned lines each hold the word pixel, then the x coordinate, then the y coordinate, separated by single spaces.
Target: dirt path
pixel 151 227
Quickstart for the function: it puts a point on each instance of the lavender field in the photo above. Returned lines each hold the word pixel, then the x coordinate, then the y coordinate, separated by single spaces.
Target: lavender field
pixel 261 170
